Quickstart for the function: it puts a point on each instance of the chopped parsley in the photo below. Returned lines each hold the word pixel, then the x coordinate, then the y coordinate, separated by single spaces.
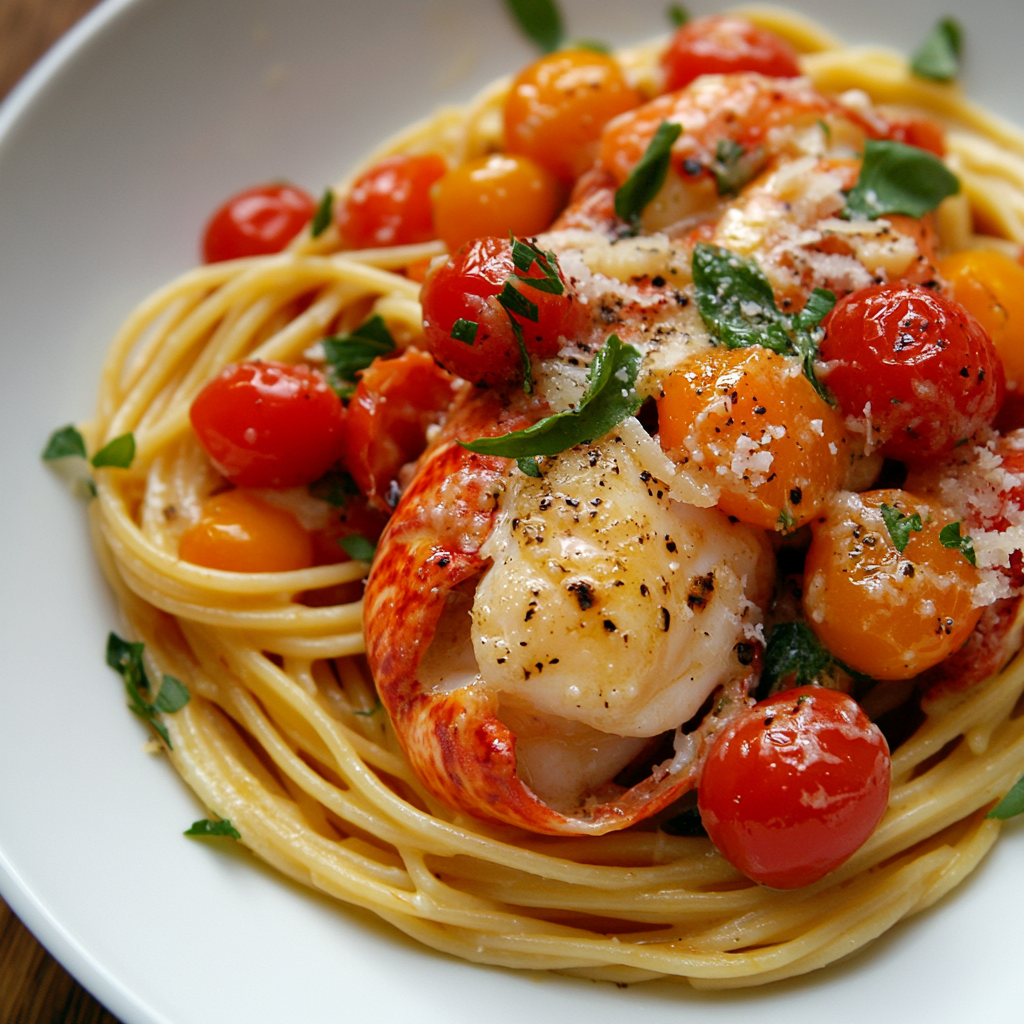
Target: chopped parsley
pixel 358 547
pixel 900 526
pixel 347 354
pixel 528 466
pixel 938 57
pixel 323 215
pixel 646 179
pixel 465 330
pixel 949 537
pixel 896 178
pixel 208 827
pixel 540 21
pixel 793 649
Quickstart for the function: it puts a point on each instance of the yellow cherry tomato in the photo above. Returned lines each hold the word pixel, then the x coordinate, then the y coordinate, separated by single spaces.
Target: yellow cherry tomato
pixel 888 613
pixel 991 286
pixel 558 106
pixel 240 532
pixel 494 195
pixel 748 421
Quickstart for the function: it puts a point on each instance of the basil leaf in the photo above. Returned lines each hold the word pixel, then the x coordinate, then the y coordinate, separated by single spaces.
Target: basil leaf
pixel 347 354
pixel 737 305
pixel 646 179
pixel 1011 805
pixel 686 824
pixel 528 467
pixel 540 21
pixel 896 178
pixel 324 214
pixel 734 166
pixel 173 696
pixel 938 57
pixel 949 537
pixel 120 452
pixel 677 14
pixel 524 255
pixel 793 648
pixel 64 443
pixel 125 658
pixel 465 330
pixel 359 548
pixel 207 827
pixel 900 526
pixel 609 399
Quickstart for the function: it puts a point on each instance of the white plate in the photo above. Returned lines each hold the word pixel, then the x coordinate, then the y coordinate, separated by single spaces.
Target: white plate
pixel 112 153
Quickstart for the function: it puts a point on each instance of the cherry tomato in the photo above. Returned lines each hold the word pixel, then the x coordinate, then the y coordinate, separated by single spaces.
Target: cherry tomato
pixel 721 45
pixel 916 368
pixel 914 130
pixel 390 203
pixel 494 195
pixel 558 106
pixel 794 786
pixel 257 222
pixel 240 532
pixel 888 613
pixel 464 288
pixel 269 424
pixel 990 286
pixel 747 420
pixel 395 401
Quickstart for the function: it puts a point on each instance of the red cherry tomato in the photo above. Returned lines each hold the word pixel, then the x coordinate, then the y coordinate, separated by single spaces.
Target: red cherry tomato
pixel 464 288
pixel 269 425
pixel 917 368
pixel 386 422
pixel 390 203
pixel 721 45
pixel 794 786
pixel 257 222
pixel 922 132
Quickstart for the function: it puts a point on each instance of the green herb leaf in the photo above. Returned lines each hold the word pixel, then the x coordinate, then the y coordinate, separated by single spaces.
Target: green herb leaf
pixel 64 443
pixel 734 166
pixel 938 57
pixel 610 397
pixel 324 214
pixel 900 526
pixel 465 330
pixel 737 305
pixel 528 467
pixel 514 301
pixel 646 179
pixel 677 14
pixel 120 452
pixel 1011 805
pixel 949 537
pixel 594 45
pixel 359 548
pixel 369 711
pixel 896 178
pixel 793 648
pixel 126 659
pixel 207 827
pixel 524 255
pixel 540 21
pixel 173 696
pixel 347 354
pixel 686 824
pixel 335 487
pixel 786 521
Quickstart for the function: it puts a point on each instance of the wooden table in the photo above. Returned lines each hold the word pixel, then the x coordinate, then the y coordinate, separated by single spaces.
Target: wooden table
pixel 34 988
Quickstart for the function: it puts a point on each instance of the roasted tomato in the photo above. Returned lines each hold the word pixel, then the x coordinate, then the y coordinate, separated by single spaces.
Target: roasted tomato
pixel 558 106
pixel 269 424
pixel 916 369
pixel 390 203
pixel 257 222
pixel 386 424
pixel 794 786
pixel 720 45
pixel 888 598
pixel 465 288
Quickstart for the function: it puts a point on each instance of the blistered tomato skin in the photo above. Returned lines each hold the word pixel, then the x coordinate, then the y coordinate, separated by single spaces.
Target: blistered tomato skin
pixel 721 45
pixel 915 368
pixel 888 613
pixel 257 222
pixel 465 288
pixel 792 788
pixel 557 107
pixel 390 203
pixel 269 424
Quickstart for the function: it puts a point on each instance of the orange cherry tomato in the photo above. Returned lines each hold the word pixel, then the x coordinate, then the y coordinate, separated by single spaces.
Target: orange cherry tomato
pixel 390 203
pixel 721 45
pixel 558 106
pixel 990 286
pixel 794 786
pixel 257 222
pixel 494 195
pixel 240 532
pixel 747 420
pixel 395 401
pixel 888 613
pixel 269 424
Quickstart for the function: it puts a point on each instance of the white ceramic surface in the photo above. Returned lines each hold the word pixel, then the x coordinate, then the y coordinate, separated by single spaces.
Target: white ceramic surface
pixel 112 153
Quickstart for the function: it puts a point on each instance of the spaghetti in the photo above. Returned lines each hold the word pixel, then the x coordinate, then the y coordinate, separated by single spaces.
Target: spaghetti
pixel 285 736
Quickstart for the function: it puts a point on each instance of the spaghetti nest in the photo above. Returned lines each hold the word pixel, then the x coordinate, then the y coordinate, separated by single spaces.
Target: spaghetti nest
pixel 286 738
